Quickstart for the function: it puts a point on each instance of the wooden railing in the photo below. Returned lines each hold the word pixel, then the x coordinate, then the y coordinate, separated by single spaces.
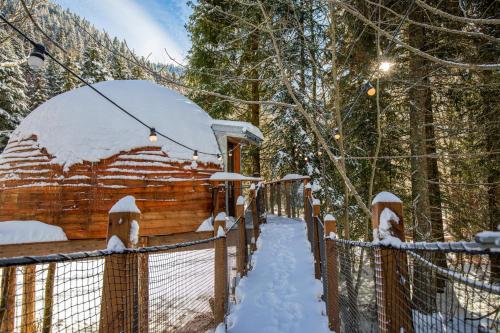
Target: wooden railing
pixel 125 309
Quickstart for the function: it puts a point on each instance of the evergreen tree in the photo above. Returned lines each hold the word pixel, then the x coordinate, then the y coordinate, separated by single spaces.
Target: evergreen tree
pixel 119 68
pixel 68 80
pixel 94 67
pixel 13 87
pixel 39 89
pixel 54 80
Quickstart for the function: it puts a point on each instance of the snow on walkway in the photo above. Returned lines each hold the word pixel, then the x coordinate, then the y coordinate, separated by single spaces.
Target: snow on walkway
pixel 280 293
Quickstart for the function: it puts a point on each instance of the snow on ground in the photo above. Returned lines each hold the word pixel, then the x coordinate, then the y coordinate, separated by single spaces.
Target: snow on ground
pixel 17 232
pixel 280 293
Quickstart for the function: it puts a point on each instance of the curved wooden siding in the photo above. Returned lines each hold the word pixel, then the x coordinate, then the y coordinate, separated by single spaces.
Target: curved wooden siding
pixel 172 196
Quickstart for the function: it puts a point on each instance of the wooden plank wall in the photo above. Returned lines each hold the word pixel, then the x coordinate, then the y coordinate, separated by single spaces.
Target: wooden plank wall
pixel 173 196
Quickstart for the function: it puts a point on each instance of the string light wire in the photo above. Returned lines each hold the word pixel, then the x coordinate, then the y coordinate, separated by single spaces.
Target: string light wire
pixel 85 82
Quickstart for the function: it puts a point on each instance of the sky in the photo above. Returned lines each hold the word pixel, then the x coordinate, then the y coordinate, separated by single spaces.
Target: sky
pixel 148 26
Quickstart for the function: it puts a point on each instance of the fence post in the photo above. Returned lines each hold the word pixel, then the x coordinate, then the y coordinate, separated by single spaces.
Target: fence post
pixel 391 271
pixel 49 299
pixel 8 300
pixel 278 197
pixel 307 195
pixel 261 205
pixel 264 198
pixel 288 203
pixel 255 217
pixel 28 301
pixel 271 197
pixel 143 303
pixel 242 236
pixel 119 301
pixel 293 195
pixel 220 269
pixel 332 273
pixel 315 244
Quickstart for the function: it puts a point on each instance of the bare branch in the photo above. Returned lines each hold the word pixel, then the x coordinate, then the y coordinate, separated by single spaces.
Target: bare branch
pixel 423 54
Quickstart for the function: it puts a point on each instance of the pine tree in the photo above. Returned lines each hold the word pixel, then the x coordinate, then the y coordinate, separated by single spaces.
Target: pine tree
pixel 119 68
pixel 39 89
pixel 13 99
pixel 94 67
pixel 53 76
pixel 68 80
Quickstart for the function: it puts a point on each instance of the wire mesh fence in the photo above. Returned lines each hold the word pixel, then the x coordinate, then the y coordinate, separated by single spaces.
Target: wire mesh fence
pixel 170 290
pixel 412 289
pixel 404 287
pixel 167 288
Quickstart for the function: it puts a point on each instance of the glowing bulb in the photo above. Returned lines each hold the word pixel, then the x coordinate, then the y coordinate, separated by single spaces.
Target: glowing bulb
pixel 370 89
pixel 305 158
pixel 219 157
pixel 320 153
pixel 385 66
pixel 152 135
pixel 195 155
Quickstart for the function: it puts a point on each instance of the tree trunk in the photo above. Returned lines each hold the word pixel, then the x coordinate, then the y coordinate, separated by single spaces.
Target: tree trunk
pixel 420 102
pixel 255 93
pixel 435 207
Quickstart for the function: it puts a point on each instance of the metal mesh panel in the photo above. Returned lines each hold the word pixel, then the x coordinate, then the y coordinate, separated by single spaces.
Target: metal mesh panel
pixel 155 289
pixel 417 289
pixel 181 291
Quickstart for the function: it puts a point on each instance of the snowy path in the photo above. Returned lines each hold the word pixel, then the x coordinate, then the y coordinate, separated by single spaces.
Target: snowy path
pixel 280 294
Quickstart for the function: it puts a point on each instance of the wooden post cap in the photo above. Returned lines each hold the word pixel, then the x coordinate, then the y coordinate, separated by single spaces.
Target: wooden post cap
pixel 240 206
pixel 124 222
pixel 316 204
pixel 330 224
pixel 387 216
pixel 220 222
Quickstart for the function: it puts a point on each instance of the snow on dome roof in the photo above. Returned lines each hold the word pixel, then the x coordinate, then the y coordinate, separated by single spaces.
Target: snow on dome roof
pixel 80 125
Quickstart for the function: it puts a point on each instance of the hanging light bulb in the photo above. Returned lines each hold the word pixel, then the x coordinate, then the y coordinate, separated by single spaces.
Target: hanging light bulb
pixel 152 135
pixel 385 66
pixel 306 159
pixel 370 89
pixel 320 153
pixel 336 135
pixel 36 59
pixel 219 157
pixel 195 155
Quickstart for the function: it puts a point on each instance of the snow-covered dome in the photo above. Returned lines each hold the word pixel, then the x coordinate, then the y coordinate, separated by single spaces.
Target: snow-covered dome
pixel 80 125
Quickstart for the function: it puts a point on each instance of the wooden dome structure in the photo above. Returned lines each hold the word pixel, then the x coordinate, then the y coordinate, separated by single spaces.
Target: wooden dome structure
pixel 75 155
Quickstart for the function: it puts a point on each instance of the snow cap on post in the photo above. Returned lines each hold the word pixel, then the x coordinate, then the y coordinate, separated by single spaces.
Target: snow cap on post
pixel 240 200
pixel 125 205
pixel 385 197
pixel 315 204
pixel 387 218
pixel 219 223
pixel 221 217
pixel 330 225
pixel 124 222
pixel 329 217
